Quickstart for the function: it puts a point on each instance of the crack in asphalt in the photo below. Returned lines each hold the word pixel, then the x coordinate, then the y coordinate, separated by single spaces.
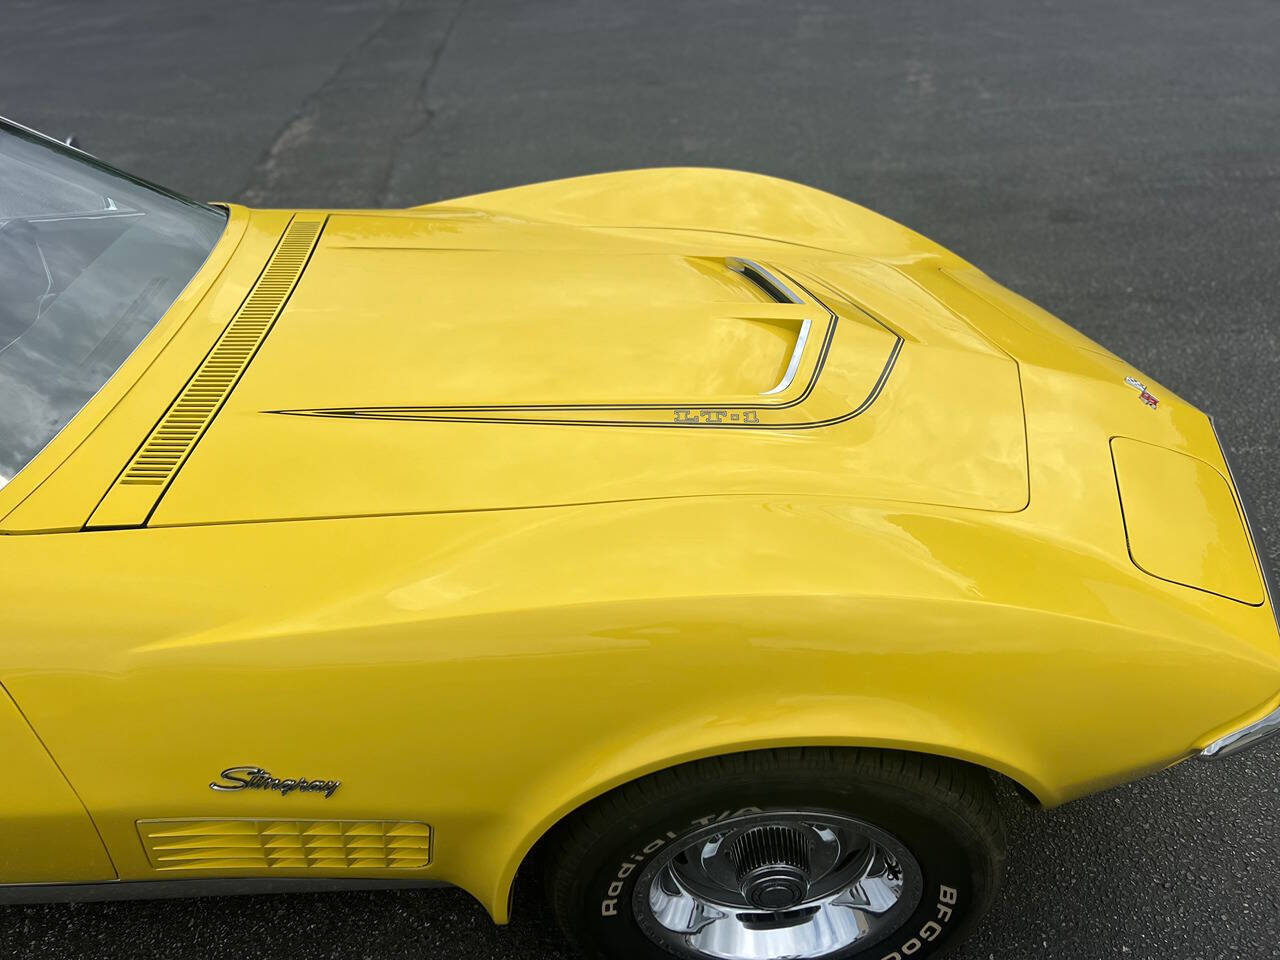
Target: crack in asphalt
pixel 267 172
pixel 420 104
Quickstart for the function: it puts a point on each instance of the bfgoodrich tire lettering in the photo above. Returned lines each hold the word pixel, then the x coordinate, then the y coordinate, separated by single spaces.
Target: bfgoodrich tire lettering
pixel 938 816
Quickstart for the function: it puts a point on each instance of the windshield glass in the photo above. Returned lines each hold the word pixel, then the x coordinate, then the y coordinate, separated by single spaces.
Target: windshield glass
pixel 90 260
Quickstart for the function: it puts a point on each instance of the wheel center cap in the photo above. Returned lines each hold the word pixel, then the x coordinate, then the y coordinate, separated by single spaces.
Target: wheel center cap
pixel 773 867
pixel 776 886
pixel 776 883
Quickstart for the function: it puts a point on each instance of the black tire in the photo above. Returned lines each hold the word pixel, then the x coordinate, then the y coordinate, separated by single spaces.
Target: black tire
pixel 942 811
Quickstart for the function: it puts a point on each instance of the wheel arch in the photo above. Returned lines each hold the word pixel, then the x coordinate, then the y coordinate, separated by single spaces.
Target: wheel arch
pixel 499 901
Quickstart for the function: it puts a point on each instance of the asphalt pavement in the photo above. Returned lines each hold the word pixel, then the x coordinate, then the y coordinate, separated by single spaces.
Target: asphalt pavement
pixel 1119 163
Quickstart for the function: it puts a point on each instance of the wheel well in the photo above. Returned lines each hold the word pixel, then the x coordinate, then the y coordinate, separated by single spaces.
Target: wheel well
pixel 530 868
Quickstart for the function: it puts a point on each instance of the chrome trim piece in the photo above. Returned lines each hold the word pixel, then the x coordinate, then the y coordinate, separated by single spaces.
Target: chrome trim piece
pixel 794 363
pixel 63 144
pixel 43 136
pixel 1264 568
pixel 1240 740
pixel 256 778
pixel 763 277
pixel 781 292
pixel 200 887
pixel 1244 738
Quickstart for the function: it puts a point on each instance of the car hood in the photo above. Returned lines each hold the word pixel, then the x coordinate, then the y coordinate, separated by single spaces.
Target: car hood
pixel 456 360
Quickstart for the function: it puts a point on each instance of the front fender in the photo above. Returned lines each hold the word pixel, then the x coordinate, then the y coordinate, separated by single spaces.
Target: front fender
pixel 489 672
pixel 909 628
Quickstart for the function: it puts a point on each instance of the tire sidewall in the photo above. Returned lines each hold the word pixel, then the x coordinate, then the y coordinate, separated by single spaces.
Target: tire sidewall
pixel 949 855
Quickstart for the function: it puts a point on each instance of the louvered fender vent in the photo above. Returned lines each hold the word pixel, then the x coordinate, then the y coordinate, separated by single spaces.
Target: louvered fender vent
pixel 262 846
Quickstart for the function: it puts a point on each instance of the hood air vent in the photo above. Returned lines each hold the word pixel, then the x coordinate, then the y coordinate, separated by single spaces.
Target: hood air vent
pixel 776 290
pixel 780 293
pixel 139 487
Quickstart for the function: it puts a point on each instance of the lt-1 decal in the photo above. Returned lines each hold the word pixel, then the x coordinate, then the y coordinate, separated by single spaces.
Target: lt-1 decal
pixel 716 416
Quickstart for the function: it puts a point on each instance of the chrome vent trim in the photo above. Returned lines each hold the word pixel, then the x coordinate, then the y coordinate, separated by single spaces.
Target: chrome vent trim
pixel 763 278
pixel 794 363
pixel 176 434
pixel 312 846
pixel 781 293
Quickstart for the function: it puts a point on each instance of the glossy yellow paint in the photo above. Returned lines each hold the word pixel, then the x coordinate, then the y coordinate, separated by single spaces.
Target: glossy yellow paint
pixel 378 324
pixel 1208 547
pixel 47 835
pixel 373 568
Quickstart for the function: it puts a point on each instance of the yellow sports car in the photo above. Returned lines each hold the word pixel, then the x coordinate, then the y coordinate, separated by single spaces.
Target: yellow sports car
pixel 704 540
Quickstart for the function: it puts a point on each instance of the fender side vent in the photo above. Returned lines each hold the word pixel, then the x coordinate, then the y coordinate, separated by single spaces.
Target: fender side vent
pixel 139 487
pixel 298 846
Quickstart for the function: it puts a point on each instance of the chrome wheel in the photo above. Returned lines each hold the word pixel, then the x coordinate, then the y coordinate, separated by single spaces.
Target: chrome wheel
pixel 778 884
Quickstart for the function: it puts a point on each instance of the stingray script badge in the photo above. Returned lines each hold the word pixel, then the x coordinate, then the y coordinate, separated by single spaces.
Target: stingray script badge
pixel 255 778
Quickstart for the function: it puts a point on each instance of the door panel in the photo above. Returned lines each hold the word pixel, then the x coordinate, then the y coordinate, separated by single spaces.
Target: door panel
pixel 45 834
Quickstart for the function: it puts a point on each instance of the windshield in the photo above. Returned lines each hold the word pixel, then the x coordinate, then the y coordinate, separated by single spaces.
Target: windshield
pixel 90 260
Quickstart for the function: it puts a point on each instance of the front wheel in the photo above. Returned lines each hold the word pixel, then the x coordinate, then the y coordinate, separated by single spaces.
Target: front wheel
pixel 814 853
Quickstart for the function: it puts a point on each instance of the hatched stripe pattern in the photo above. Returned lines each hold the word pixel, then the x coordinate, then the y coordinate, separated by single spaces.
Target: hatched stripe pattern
pixel 189 416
